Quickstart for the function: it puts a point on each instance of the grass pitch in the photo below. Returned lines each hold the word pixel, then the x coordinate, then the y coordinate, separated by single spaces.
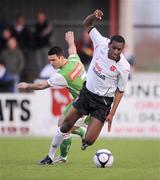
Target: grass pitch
pixel 135 159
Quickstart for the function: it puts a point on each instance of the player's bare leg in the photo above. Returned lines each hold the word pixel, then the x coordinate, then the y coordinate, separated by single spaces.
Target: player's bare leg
pixel 92 133
pixel 69 121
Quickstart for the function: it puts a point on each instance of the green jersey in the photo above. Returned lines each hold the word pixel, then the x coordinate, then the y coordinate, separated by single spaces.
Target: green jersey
pixel 71 75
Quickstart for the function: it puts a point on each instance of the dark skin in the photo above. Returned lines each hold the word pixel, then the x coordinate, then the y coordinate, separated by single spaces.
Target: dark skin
pixel 93 129
pixel 95 126
pixel 115 49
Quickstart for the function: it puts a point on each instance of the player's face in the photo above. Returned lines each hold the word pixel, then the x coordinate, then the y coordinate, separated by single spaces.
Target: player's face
pixel 115 49
pixel 55 61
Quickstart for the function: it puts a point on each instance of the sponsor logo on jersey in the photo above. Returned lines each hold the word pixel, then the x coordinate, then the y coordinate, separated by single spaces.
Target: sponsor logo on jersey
pixel 98 71
pixel 76 72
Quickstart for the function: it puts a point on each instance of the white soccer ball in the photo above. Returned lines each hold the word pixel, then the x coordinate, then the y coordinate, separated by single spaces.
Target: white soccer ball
pixel 103 158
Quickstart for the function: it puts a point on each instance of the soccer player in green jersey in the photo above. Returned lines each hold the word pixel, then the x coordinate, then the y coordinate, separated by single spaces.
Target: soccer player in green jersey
pixel 71 74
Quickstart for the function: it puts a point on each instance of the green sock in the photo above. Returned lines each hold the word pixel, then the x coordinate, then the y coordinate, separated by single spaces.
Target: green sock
pixel 65 146
pixel 80 131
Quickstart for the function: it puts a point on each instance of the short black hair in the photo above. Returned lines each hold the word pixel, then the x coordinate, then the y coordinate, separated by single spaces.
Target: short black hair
pixel 56 50
pixel 117 38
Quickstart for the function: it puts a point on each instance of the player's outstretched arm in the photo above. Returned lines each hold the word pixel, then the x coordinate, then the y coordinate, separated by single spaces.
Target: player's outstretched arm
pixel 117 99
pixel 88 22
pixel 33 86
pixel 69 37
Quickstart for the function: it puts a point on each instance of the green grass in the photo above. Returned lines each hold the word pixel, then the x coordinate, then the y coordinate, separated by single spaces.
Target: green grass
pixel 135 159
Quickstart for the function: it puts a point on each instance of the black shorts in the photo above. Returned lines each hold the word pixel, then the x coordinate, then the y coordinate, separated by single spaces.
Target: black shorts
pixel 90 103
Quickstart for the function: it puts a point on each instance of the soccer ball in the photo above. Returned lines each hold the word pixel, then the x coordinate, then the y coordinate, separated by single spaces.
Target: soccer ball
pixel 103 158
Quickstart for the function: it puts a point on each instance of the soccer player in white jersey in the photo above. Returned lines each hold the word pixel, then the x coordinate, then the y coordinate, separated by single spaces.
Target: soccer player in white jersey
pixel 105 85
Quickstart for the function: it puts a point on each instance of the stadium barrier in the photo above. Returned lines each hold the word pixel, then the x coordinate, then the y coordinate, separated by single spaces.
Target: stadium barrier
pixel 36 114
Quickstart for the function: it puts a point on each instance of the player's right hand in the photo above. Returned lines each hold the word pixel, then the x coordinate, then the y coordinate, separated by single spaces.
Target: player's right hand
pixel 22 85
pixel 109 119
pixel 99 14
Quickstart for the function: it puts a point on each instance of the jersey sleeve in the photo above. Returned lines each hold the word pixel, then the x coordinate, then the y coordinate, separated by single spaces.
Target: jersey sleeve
pixel 123 78
pixel 57 80
pixel 96 37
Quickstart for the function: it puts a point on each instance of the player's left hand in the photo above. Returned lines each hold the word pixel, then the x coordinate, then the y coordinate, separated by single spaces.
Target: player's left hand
pixel 69 36
pixel 109 119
